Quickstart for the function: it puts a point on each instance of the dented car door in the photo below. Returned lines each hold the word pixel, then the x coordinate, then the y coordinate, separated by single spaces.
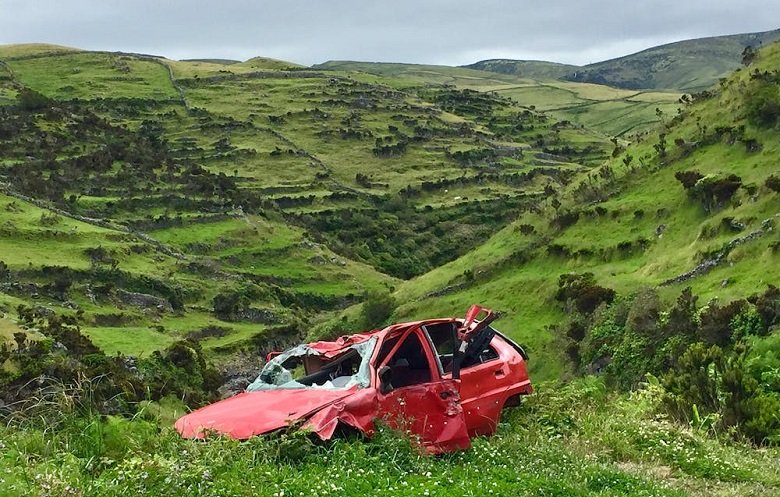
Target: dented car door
pixel 414 398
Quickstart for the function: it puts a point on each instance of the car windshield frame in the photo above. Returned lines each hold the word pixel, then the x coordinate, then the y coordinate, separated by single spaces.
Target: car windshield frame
pixel 275 376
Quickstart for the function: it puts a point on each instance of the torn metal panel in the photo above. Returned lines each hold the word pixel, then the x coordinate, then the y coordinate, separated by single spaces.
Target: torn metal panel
pixel 254 413
pixel 357 411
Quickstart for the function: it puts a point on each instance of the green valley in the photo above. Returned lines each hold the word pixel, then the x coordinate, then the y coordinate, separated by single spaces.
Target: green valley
pixel 166 224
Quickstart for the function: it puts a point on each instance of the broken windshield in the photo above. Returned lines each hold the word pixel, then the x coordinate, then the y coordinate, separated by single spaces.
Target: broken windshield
pixel 305 367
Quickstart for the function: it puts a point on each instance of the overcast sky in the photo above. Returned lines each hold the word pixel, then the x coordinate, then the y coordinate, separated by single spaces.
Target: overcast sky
pixel 451 32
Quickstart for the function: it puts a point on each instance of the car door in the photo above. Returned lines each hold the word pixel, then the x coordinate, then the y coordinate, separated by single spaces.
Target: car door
pixel 413 397
pixel 485 376
pixel 483 389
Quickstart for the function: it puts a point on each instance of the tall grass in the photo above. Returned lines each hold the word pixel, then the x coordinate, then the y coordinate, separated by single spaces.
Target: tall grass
pixel 576 440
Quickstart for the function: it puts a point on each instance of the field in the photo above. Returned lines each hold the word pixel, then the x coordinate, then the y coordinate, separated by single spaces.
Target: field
pixel 178 184
pixel 609 111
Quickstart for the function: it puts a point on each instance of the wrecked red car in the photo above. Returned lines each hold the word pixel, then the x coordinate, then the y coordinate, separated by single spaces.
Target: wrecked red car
pixel 443 380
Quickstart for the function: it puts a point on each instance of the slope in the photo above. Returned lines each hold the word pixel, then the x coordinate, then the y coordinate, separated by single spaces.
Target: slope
pixel 611 111
pixel 268 195
pixel 632 224
pixel 690 65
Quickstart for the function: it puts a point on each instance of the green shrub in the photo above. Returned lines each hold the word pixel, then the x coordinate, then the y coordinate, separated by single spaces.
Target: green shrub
pixel 714 191
pixel 688 178
pixel 377 308
pixel 762 102
pixel 30 100
pixel 773 183
pixel 583 292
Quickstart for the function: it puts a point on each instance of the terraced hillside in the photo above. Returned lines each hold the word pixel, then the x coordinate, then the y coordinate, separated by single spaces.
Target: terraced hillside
pixel 695 203
pixel 163 199
pixel 610 111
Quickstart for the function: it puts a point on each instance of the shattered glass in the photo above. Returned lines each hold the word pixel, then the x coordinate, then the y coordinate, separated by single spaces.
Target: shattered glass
pixel 306 367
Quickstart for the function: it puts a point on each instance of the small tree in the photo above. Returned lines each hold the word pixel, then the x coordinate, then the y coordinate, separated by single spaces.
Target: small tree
pixel 749 55
pixel 377 307
pixel 31 100
pixel 773 183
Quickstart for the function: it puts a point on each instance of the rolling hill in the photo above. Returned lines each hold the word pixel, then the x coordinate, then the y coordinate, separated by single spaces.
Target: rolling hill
pixel 610 111
pixel 158 217
pixel 689 66
pixel 168 199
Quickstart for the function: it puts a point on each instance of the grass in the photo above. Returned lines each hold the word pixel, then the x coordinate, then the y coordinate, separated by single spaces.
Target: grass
pixel 93 75
pixel 577 440
pixel 515 273
pixel 129 340
pixel 611 111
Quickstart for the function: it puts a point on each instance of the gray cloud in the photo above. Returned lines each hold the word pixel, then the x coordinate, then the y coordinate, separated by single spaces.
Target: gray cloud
pixel 423 31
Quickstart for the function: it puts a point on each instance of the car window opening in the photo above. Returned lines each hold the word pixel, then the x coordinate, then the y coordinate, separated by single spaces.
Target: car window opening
pixel 409 365
pixel 445 341
pixel 305 367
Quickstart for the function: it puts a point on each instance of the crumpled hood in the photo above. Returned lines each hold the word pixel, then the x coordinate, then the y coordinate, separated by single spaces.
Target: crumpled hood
pixel 254 413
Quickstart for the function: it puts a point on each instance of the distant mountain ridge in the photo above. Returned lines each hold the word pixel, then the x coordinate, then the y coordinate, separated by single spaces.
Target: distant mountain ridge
pixel 689 65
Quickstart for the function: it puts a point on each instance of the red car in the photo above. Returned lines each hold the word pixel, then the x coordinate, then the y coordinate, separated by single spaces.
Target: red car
pixel 444 380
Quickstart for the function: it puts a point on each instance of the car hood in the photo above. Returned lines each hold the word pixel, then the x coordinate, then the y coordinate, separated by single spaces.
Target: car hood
pixel 254 413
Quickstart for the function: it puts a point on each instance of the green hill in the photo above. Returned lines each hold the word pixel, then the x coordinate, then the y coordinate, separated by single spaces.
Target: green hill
pixel 611 111
pixel 690 65
pixel 633 225
pixel 532 69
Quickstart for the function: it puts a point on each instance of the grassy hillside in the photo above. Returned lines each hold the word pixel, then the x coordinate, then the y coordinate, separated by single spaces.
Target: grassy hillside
pixel 689 66
pixel 610 111
pixel 170 199
pixel 632 224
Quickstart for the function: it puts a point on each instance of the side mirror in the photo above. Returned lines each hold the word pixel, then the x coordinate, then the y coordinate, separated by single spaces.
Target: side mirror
pixel 385 379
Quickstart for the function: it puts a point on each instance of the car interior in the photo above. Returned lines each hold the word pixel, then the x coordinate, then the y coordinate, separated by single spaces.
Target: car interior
pixel 338 371
pixel 445 339
pixel 409 365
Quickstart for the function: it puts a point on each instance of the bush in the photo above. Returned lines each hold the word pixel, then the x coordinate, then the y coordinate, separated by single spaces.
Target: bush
pixel 729 386
pixel 694 382
pixel 714 191
pixel 762 102
pixel 645 312
pixel 377 308
pixel 773 183
pixel 768 306
pixel 715 322
pixel 30 100
pixel 566 219
pixel 583 292
pixel 688 178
